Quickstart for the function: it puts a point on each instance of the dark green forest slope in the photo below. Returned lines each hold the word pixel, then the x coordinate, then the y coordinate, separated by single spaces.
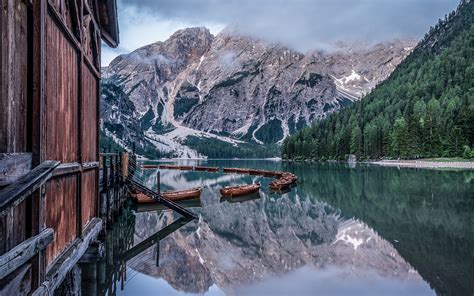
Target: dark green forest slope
pixel 424 109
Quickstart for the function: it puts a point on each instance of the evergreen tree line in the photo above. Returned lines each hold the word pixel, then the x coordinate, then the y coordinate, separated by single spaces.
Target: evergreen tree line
pixel 214 148
pixel 424 109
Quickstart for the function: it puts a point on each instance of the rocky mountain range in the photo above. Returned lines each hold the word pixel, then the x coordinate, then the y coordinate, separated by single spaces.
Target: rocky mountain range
pixel 234 93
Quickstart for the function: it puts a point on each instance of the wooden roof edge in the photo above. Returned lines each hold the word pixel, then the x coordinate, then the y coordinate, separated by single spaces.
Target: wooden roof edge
pixel 109 23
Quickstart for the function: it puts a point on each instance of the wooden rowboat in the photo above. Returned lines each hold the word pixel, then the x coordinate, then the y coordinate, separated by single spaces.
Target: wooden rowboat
pixel 279 184
pixel 169 167
pixel 236 170
pixel 149 166
pixel 141 198
pixel 292 179
pixel 205 168
pixel 182 194
pixel 186 168
pixel 239 190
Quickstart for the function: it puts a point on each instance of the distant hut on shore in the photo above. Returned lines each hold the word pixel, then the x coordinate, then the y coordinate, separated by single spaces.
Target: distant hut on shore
pixel 49 135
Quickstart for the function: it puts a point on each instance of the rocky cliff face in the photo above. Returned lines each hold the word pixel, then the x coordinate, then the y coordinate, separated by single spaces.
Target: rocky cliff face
pixel 234 89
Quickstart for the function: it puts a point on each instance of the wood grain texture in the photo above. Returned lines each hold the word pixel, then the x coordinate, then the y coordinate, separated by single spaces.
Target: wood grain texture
pixel 15 193
pixel 89 124
pixel 61 142
pixel 13 166
pixel 12 227
pixel 60 207
pixel 68 259
pixel 23 252
pixel 89 198
pixel 13 75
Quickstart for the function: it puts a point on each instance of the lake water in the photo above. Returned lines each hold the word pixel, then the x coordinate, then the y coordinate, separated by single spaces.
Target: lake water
pixel 363 230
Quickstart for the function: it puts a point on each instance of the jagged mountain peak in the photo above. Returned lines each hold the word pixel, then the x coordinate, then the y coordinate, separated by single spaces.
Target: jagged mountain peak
pixel 191 32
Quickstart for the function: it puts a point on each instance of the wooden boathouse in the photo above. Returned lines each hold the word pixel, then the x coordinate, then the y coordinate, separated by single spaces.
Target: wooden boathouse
pixel 49 137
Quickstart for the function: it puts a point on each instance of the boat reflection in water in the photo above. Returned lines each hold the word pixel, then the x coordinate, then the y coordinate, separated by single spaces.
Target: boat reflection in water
pixel 140 208
pixel 239 199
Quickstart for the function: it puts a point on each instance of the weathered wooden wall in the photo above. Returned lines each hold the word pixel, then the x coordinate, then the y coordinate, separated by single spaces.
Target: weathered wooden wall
pixel 14 70
pixel 15 42
pixel 49 100
pixel 66 60
pixel 71 98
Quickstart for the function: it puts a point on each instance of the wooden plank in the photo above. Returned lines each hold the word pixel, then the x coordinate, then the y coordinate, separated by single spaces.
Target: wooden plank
pixel 74 167
pixel 68 259
pixel 13 166
pixel 66 169
pixel 19 255
pixel 60 214
pixel 18 282
pixel 89 197
pixel 15 193
pixel 125 165
pixel 38 128
pixel 14 43
pixel 88 110
pixel 38 81
pixel 90 165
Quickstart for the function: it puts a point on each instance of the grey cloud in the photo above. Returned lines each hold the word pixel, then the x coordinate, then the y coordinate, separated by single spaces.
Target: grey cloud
pixel 307 24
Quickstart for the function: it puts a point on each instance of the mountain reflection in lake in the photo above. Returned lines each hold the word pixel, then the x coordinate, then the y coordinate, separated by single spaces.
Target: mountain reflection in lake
pixel 365 230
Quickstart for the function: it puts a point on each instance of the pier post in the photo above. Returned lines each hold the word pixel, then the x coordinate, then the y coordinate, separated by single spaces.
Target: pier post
pixel 124 165
pixel 158 182
pixel 105 184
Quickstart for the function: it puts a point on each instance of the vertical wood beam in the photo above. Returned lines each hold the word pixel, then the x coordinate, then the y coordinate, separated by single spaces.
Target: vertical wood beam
pixel 80 119
pixel 36 207
pixel 39 40
pixel 124 166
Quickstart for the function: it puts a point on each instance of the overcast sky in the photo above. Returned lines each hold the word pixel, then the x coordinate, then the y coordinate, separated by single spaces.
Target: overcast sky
pixel 299 24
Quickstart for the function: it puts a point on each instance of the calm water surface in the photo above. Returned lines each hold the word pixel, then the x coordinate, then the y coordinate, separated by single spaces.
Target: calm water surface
pixel 364 230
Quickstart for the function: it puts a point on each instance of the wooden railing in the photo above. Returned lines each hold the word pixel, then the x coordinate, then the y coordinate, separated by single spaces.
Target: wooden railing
pixel 10 197
pixel 28 247
pixel 15 193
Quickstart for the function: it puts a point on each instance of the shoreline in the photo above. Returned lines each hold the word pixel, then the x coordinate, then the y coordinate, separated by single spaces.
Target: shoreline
pixel 426 164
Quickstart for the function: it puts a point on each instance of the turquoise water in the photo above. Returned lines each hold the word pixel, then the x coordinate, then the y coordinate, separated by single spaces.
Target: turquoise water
pixel 363 230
